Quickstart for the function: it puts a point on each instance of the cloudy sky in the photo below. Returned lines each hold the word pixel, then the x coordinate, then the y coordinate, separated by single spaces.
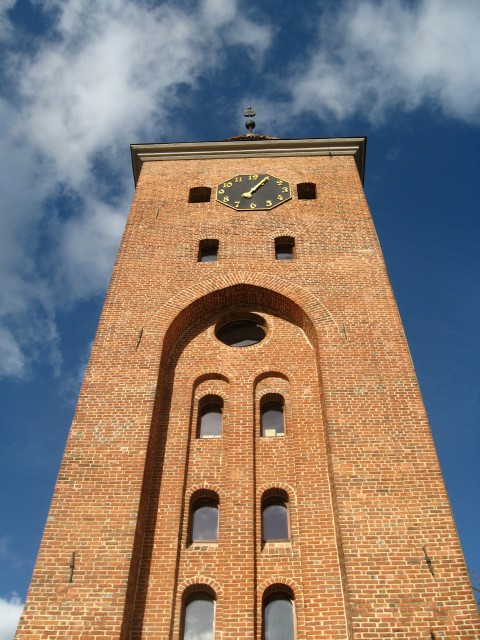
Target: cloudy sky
pixel 81 79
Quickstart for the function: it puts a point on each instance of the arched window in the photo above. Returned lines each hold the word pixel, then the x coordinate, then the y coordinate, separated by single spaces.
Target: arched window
pixel 208 250
pixel 278 614
pixel 306 191
pixel 275 517
pixel 284 248
pixel 272 416
pixel 199 194
pixel 204 519
pixel 198 616
pixel 210 412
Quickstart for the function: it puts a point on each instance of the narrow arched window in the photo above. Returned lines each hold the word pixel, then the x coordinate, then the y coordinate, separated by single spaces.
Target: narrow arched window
pixel 272 416
pixel 208 250
pixel 210 413
pixel 199 616
pixel 278 616
pixel 199 194
pixel 284 248
pixel 275 524
pixel 306 191
pixel 204 520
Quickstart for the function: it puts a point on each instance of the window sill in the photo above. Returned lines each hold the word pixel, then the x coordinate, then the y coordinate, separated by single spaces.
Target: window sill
pixel 277 547
pixel 203 545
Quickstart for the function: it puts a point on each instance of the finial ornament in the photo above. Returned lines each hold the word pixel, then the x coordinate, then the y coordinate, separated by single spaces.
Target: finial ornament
pixel 249 124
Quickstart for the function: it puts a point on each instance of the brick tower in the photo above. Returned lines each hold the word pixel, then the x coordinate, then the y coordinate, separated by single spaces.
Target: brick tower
pixel 250 456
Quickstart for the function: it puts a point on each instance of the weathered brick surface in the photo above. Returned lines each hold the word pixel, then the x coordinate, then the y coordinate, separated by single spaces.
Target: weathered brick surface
pixel 357 460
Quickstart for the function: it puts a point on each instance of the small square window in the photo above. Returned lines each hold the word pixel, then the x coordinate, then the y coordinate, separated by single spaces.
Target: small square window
pixel 208 251
pixel 284 248
pixel 199 194
pixel 284 252
pixel 307 191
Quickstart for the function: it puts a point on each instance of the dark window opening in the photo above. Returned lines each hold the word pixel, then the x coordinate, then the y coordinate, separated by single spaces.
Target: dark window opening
pixel 307 191
pixel 205 520
pixel 199 194
pixel 199 614
pixel 284 248
pixel 208 250
pixel 241 333
pixel 272 418
pixel 210 417
pixel 275 519
pixel 278 617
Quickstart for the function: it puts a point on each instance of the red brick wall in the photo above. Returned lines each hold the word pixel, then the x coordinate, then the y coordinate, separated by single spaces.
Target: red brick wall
pixel 357 460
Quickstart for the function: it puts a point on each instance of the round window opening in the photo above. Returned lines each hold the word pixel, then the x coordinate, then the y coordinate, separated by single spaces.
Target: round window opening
pixel 240 333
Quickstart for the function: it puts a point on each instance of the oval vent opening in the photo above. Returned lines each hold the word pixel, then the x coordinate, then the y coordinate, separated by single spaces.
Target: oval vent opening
pixel 241 333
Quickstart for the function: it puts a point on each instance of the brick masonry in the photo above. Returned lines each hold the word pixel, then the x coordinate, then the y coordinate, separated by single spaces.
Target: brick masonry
pixel 365 492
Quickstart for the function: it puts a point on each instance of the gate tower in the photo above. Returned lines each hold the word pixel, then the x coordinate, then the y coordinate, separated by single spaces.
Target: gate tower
pixel 250 455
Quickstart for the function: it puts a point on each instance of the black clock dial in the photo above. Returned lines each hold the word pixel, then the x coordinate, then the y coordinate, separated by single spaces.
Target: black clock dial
pixel 250 192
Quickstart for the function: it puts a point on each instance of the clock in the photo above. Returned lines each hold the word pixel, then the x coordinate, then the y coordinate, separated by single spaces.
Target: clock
pixel 248 192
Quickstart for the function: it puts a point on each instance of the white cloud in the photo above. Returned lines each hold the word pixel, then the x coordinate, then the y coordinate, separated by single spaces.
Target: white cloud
pixel 6 554
pixel 10 612
pixel 12 359
pixel 376 56
pixel 89 242
pixel 108 74
pixel 4 543
pixel 218 12
pixel 5 26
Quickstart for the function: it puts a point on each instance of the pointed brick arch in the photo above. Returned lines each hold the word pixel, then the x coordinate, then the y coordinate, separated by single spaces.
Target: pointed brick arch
pixel 242 289
pixel 300 296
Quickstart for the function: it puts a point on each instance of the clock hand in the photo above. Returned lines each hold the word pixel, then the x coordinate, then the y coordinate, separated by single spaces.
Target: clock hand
pixel 248 194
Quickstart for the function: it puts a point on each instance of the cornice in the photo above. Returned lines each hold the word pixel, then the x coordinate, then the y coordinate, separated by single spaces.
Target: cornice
pixel 355 147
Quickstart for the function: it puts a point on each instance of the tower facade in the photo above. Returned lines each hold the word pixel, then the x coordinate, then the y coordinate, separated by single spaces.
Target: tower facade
pixel 250 455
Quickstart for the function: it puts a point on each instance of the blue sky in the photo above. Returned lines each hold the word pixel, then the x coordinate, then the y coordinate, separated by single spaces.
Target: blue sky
pixel 80 80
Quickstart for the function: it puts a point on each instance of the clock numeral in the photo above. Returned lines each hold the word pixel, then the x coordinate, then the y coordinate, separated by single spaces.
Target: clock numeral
pixel 238 179
pixel 268 203
pixel 226 199
pixel 227 184
pixel 279 197
pixel 237 204
pixel 279 181
pixel 220 191
pixel 253 176
pixel 285 189
pixel 253 205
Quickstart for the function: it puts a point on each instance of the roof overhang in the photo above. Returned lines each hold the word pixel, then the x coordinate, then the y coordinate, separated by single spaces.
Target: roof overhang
pixel 355 147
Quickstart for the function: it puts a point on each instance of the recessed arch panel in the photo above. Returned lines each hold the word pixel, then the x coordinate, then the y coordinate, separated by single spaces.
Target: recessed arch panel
pixel 194 364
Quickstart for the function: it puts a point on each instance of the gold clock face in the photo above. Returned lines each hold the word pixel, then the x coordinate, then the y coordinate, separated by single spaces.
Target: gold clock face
pixel 250 192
